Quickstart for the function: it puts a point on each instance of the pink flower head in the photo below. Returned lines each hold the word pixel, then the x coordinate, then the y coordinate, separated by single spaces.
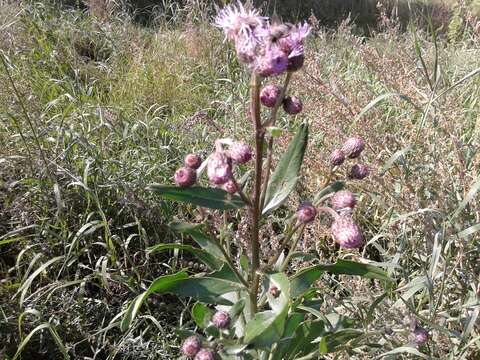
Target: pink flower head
pixel 306 213
pixel 240 26
pixel 272 63
pixel 191 346
pixel 343 200
pixel 353 147
pixel 219 168
pixel 240 152
pixel 292 105
pixel 185 177
pixel 193 161
pixel 419 336
pixel 221 319
pixel 270 95
pixel 205 354
pixel 292 45
pixel 347 233
pixel 236 21
pixel 337 157
pixel 359 172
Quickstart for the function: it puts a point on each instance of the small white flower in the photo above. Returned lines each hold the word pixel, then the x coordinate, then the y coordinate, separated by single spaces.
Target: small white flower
pixel 236 21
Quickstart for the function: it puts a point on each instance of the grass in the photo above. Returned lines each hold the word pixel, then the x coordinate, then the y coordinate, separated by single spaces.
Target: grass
pixel 92 110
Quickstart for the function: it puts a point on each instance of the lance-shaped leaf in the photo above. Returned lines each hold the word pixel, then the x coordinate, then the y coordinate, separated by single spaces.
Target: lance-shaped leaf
pixel 208 259
pixel 207 289
pixel 303 280
pixel 205 197
pixel 285 176
pixel 267 327
pixel 200 238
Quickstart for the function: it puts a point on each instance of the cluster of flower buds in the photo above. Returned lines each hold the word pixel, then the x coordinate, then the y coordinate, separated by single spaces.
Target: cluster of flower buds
pixel 219 165
pixel 270 96
pixel 192 349
pixel 269 49
pixel 187 176
pixel 351 149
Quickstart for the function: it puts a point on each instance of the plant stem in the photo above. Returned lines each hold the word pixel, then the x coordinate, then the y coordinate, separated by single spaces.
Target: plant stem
pixel 259 138
pixel 271 122
pixel 292 249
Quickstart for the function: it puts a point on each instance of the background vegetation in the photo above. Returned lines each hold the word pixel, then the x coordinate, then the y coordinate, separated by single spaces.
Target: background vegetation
pixel 94 106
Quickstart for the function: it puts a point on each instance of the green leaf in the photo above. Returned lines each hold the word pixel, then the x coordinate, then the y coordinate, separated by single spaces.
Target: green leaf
pixel 285 176
pixel 280 281
pixel 303 280
pixel 300 343
pixel 334 341
pixel 207 289
pixel 405 349
pixel 397 155
pixel 200 238
pixel 202 315
pixel 267 327
pixel 208 259
pixel 205 197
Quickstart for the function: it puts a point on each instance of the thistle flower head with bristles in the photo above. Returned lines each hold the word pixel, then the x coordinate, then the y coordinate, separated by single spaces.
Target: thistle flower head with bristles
pixel 337 157
pixel 343 200
pixel 191 346
pixel 306 213
pixel 221 319
pixel 240 152
pixel 205 354
pixel 347 233
pixel 185 177
pixel 219 168
pixel 359 172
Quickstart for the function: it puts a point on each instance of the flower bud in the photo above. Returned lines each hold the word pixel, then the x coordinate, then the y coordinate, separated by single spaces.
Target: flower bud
pixel 221 319
pixel 419 336
pixel 230 186
pixel 205 354
pixel 219 168
pixel 191 346
pixel 337 157
pixel 270 94
pixel 347 233
pixel 240 152
pixel 273 62
pixel 306 213
pixel 343 200
pixel 353 147
pixel 275 291
pixel 359 172
pixel 185 177
pixel 292 105
pixel 193 161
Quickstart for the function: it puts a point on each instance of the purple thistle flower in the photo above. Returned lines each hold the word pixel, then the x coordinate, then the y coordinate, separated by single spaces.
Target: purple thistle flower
pixel 292 45
pixel 193 161
pixel 347 233
pixel 185 177
pixel 240 152
pixel 292 105
pixel 219 168
pixel 343 200
pixel 270 95
pixel 337 157
pixel 353 147
pixel 306 213
pixel 221 319
pixel 359 172
pixel 236 21
pixel 272 63
pixel 191 346
pixel 205 354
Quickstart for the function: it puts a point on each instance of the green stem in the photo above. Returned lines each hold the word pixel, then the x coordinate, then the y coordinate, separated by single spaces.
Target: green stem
pixel 292 249
pixel 259 139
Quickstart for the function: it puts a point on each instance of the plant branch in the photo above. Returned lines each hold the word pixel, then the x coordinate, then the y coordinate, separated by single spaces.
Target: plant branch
pixel 259 138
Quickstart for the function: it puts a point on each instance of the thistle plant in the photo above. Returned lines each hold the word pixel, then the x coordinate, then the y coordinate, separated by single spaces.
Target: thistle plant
pixel 248 305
